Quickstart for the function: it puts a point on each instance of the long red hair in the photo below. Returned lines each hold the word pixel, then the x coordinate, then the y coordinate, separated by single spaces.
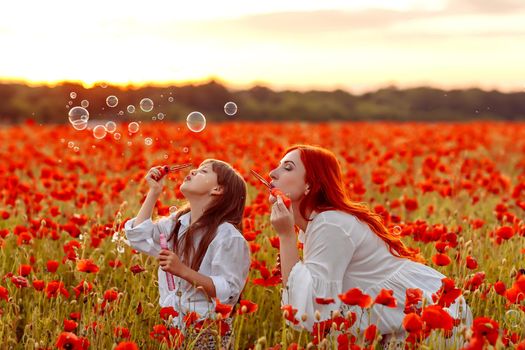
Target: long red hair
pixel 327 192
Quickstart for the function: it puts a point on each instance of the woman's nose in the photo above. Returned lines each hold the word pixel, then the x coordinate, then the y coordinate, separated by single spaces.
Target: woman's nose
pixel 272 175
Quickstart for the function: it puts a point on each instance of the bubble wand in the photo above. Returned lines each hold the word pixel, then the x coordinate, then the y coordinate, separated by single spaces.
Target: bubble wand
pixel 274 190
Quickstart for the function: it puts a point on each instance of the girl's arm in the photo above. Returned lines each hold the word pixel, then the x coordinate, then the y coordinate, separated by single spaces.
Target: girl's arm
pixel 151 198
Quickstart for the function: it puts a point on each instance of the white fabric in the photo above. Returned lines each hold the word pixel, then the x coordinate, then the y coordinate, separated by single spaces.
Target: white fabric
pixel 339 253
pixel 226 262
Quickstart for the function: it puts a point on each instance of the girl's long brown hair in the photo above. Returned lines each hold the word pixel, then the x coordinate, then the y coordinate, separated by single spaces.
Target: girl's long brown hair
pixel 227 207
pixel 327 192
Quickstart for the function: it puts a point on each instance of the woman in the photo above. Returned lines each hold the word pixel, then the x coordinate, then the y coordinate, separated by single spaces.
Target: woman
pixel 208 256
pixel 345 246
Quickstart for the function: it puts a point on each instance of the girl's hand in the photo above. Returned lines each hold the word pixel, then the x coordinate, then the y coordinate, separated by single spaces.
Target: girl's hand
pixel 282 218
pixel 154 185
pixel 170 262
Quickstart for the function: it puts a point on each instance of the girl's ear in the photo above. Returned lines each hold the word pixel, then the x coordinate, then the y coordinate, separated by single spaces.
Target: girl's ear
pixel 217 190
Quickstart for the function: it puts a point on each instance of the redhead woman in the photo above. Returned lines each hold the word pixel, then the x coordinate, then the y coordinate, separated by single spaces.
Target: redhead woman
pixel 346 246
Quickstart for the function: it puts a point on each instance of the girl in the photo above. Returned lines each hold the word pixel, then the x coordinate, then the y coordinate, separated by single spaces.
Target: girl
pixel 345 246
pixel 207 256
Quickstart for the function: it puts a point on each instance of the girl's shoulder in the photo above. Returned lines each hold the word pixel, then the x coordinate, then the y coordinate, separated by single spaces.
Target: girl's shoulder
pixel 337 218
pixel 228 231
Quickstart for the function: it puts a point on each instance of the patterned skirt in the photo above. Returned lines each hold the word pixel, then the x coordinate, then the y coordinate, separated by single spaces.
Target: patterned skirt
pixel 208 339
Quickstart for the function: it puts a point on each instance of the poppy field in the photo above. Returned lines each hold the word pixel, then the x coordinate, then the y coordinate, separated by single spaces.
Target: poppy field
pixel 456 191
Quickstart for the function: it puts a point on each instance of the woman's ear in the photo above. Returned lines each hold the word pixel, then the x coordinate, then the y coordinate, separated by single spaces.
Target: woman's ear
pixel 217 190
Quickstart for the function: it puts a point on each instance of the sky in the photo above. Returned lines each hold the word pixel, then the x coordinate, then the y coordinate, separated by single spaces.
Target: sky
pixel 353 45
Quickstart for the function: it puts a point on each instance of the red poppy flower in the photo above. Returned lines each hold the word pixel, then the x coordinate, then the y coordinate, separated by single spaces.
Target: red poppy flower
pixel 223 309
pixel 386 298
pixel 137 269
pixel 448 293
pixel 436 318
pixel 121 332
pixel 4 294
pixel 289 313
pixel 486 328
pixel 70 325
pixel 87 265
pixel 166 312
pixel 441 259
pixel 126 345
pixel 247 307
pixel 39 285
pixel 370 333
pixel 354 296
pixel 190 318
pixel 110 295
pixel 52 266
pixel 471 263
pixel 24 270
pixel 412 323
pixel 70 341
pixel 324 301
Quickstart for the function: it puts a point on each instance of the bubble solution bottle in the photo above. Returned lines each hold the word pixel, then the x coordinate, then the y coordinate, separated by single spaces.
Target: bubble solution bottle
pixel 169 276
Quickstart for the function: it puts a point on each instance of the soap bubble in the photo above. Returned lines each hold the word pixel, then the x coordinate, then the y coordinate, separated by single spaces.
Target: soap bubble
pixel 116 136
pixel 230 108
pixel 111 126
pixel 84 103
pixel 148 141
pixel 73 95
pixel 146 104
pixel 196 121
pixel 133 127
pixel 131 109
pixel 78 115
pixel 160 116
pixel 170 99
pixel 112 101
pixel 70 144
pixel 99 132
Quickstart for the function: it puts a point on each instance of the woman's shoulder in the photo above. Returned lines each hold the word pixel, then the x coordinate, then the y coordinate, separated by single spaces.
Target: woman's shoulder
pixel 336 217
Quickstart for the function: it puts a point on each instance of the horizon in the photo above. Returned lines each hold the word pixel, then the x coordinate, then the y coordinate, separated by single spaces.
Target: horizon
pixel 357 47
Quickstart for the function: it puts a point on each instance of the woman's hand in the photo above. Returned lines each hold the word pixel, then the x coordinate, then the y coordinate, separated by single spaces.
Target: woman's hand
pixel 170 262
pixel 282 218
pixel 154 185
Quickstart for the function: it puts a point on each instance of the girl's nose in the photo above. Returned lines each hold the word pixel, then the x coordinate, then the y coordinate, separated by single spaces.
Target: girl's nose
pixel 193 172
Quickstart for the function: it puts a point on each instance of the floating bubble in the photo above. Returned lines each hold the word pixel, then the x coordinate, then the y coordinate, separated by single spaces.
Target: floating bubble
pixel 78 115
pixel 103 85
pixel 73 95
pixel 172 209
pixel 230 108
pixel 111 127
pixel 133 127
pixel 116 136
pixel 70 144
pixel 84 103
pixel 170 99
pixel 120 249
pixel 121 113
pixel 70 103
pixel 196 121
pixel 131 109
pixel 160 116
pixel 165 156
pixel 112 101
pixel 99 132
pixel 185 149
pixel 148 141
pixel 512 318
pixel 146 104
pixel 153 118
pixel 76 148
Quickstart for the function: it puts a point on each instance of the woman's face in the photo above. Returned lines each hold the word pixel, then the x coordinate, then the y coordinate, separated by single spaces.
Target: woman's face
pixel 200 181
pixel 289 177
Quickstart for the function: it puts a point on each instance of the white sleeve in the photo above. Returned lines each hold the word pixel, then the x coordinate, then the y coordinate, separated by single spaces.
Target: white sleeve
pixel 327 252
pixel 145 237
pixel 229 268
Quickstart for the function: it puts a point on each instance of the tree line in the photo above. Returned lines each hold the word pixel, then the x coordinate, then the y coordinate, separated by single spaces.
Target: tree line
pixel 49 104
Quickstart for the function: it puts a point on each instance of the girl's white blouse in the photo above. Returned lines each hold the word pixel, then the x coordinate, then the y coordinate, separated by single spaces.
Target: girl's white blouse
pixel 339 253
pixel 226 262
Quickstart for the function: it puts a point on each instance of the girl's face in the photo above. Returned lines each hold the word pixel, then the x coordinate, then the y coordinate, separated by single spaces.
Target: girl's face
pixel 201 181
pixel 289 177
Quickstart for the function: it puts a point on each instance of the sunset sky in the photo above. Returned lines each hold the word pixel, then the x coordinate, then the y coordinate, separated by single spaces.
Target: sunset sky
pixel 354 45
